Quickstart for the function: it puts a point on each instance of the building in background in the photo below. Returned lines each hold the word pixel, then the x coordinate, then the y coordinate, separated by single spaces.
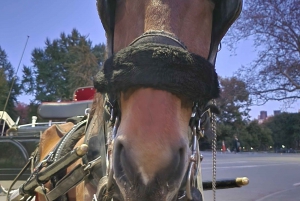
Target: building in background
pixel 277 112
pixel 262 116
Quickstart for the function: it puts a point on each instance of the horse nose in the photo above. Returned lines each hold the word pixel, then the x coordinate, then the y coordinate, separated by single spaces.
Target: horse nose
pixel 147 166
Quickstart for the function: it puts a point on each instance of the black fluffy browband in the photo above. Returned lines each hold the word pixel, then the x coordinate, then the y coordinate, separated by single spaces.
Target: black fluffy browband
pixel 162 67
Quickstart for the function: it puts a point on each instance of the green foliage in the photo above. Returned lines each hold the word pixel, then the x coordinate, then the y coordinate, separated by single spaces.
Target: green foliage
pixel 62 66
pixel 32 111
pixel 8 81
pixel 234 119
pixel 259 137
pixel 285 130
pixel 233 103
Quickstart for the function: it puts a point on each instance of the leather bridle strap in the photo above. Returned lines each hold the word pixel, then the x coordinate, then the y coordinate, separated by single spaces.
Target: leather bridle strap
pixel 159 37
pixel 96 131
pixel 30 161
pixel 72 179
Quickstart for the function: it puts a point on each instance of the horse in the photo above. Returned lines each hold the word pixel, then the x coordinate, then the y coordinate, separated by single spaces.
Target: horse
pixel 151 94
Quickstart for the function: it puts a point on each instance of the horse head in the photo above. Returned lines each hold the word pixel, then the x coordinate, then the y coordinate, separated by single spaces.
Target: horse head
pixel 160 68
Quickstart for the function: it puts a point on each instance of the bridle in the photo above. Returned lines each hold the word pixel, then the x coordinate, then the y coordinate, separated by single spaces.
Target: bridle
pixel 200 117
pixel 230 9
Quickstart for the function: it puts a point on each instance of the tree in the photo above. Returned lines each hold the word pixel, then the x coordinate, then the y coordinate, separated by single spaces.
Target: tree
pixel 84 62
pixel 233 103
pixel 8 81
pixel 260 137
pixel 285 130
pixel 22 111
pixel 62 66
pixel 234 100
pixel 274 26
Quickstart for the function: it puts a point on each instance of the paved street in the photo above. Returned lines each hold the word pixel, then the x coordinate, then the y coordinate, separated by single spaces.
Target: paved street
pixel 273 177
pixel 6 184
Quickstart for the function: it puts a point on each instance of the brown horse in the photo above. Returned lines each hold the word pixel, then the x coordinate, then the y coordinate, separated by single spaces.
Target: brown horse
pixel 159 74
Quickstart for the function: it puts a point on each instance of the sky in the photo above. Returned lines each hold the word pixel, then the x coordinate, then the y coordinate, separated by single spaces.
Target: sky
pixel 40 19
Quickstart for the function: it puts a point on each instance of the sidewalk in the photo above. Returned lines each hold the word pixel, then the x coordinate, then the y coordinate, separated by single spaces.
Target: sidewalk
pixel 6 185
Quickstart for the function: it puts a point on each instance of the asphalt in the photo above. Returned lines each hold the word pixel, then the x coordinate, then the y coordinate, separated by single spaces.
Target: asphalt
pixel 272 177
pixel 6 185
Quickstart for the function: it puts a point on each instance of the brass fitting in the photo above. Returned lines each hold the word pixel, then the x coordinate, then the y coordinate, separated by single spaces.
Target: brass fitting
pixel 242 181
pixel 82 149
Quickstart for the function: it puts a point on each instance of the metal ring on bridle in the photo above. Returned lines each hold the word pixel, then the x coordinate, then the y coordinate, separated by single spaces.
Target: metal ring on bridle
pixel 193 166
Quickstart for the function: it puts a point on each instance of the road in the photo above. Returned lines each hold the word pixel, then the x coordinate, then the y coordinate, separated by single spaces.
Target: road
pixel 273 177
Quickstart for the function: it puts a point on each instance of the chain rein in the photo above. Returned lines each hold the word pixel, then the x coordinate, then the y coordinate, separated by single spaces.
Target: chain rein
pixel 214 153
pixel 197 128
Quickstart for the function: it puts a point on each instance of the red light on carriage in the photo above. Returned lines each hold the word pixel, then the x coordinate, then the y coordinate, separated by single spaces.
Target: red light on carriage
pixel 84 93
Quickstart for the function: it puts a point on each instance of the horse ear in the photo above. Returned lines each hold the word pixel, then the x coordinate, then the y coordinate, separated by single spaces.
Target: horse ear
pixel 225 13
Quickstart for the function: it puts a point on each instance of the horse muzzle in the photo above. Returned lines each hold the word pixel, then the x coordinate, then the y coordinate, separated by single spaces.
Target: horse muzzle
pixel 144 181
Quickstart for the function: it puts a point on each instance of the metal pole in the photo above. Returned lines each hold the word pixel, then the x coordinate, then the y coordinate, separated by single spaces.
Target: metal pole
pixel 14 78
pixel 3 127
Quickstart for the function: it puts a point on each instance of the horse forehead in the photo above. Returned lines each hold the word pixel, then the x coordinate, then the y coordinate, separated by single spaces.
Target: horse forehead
pixel 189 20
pixel 175 5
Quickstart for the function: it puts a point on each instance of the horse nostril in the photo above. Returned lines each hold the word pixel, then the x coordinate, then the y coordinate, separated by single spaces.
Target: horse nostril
pixel 174 170
pixel 118 148
pixel 179 159
pixel 182 159
pixel 122 163
pixel 165 166
pixel 182 152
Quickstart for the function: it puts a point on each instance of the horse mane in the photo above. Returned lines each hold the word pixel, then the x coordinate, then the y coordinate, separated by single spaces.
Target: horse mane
pixel 97 105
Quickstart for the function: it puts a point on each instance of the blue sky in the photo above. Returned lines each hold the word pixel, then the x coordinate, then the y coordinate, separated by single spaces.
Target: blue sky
pixel 40 19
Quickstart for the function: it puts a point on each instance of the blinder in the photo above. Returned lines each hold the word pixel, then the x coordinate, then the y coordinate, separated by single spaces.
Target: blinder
pixel 225 13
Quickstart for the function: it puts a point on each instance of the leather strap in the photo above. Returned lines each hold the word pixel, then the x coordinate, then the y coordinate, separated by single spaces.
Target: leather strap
pixel 76 176
pixel 95 138
pixel 30 161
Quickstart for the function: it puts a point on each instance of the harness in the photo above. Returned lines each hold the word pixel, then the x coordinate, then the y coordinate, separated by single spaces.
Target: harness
pixel 176 70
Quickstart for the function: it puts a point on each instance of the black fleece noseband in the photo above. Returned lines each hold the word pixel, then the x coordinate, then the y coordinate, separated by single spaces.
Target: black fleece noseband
pixel 170 67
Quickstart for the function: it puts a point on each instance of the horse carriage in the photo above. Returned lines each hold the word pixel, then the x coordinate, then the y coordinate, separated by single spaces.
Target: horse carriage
pixel 154 100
